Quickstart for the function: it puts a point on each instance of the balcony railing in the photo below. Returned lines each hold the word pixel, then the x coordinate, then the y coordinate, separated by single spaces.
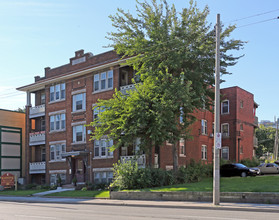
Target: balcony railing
pixel 125 89
pixel 255 140
pixel 37 111
pixel 37 138
pixel 140 159
pixel 37 167
pixel 256 121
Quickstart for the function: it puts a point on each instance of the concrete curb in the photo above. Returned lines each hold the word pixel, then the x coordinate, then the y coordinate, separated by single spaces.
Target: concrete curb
pixel 234 197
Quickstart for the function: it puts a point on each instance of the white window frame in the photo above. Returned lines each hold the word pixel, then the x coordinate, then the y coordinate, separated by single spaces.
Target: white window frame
pixel 222 107
pixel 54 178
pixel 101 148
pixel 77 98
pixel 227 134
pixel 204 127
pixel 103 81
pixel 57 119
pixel 103 177
pixel 57 92
pixel 182 148
pixel 83 133
pixel 204 152
pixel 97 111
pixel 55 151
pixel 227 153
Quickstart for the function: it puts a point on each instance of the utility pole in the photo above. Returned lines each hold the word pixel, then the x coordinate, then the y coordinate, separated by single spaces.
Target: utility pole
pixel 217 142
pixel 275 149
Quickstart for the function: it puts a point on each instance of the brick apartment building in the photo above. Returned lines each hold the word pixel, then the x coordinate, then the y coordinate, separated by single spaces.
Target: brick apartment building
pixel 58 142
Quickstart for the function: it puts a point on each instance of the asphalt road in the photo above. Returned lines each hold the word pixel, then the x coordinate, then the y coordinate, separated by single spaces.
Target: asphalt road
pixel 24 210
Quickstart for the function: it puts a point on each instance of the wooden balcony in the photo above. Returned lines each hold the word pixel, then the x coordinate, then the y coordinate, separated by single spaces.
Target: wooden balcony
pixel 37 111
pixel 140 159
pixel 37 167
pixel 37 138
pixel 125 89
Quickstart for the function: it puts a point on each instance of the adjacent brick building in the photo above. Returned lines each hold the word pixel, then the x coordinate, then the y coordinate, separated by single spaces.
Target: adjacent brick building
pixel 58 142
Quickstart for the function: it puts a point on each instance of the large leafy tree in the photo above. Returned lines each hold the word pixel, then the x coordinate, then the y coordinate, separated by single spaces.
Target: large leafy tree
pixel 266 137
pixel 174 55
pixel 148 113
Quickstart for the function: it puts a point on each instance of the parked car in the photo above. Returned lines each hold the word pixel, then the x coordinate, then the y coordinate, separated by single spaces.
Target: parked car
pixel 238 169
pixel 267 168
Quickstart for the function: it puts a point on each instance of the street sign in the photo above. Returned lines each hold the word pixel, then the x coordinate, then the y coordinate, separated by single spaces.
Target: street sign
pixel 218 140
pixel 7 180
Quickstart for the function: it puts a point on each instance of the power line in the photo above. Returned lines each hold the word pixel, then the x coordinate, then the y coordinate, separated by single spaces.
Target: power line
pixel 251 16
pixel 258 22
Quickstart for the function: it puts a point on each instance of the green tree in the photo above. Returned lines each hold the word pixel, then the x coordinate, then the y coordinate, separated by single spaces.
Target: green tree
pixel 174 55
pixel 161 40
pixel 266 137
pixel 147 113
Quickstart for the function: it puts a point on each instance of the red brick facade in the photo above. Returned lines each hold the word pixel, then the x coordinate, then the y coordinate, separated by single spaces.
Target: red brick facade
pixel 78 77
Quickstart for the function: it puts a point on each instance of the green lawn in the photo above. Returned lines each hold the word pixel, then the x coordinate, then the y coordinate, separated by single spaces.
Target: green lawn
pixel 20 192
pixel 231 184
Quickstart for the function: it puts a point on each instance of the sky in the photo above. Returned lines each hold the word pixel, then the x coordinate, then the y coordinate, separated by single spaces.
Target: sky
pixel 35 34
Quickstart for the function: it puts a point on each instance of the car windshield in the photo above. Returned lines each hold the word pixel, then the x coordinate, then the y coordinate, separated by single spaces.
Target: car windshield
pixel 261 165
pixel 240 165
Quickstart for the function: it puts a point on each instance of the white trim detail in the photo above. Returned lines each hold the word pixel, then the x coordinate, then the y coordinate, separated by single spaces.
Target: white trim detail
pixel 57 171
pixel 102 169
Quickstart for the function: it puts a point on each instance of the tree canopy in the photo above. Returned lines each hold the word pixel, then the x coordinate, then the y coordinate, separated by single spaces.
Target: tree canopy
pixel 266 137
pixel 174 55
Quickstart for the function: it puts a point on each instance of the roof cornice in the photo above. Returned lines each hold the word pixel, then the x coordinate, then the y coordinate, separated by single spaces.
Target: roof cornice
pixel 42 83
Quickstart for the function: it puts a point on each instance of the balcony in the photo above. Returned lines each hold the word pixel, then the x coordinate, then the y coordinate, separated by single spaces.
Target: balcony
pixel 256 121
pixel 141 160
pixel 37 111
pixel 37 167
pixel 255 141
pixel 125 89
pixel 37 138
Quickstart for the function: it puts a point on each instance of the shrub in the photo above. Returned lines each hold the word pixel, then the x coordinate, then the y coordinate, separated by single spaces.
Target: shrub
pixel 127 175
pixel 250 163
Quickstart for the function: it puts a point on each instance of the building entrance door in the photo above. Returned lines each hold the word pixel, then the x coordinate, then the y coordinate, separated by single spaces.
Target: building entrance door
pixel 80 170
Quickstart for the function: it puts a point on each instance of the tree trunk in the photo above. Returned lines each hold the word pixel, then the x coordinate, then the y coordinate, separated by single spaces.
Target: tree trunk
pixel 175 157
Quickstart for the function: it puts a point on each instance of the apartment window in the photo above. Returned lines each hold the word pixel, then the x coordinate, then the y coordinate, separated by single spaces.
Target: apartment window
pixel 203 127
pixel 103 177
pixel 225 130
pixel 103 81
pixel 124 151
pixel 102 148
pixel 204 152
pixel 79 102
pixel 43 154
pixel 54 178
pixel 79 134
pixel 225 107
pixel 241 127
pixel 56 150
pixel 43 98
pixel 241 104
pixel 57 92
pixel 96 112
pixel 225 153
pixel 57 122
pixel 182 151
pixel 43 125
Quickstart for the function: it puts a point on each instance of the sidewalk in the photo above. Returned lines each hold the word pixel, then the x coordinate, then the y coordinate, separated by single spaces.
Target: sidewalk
pixel 59 189
pixel 156 204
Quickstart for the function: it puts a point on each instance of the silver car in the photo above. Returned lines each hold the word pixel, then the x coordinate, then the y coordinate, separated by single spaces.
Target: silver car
pixel 268 168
